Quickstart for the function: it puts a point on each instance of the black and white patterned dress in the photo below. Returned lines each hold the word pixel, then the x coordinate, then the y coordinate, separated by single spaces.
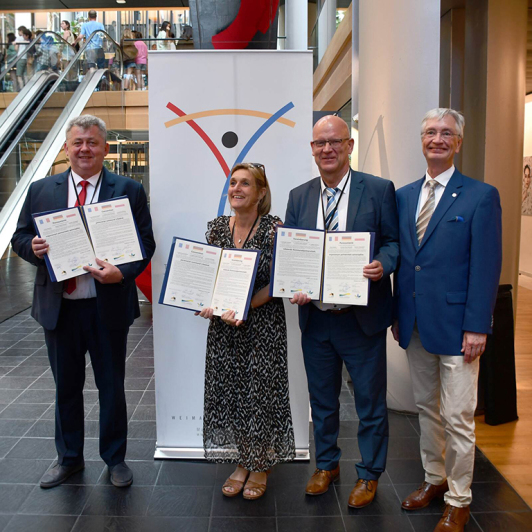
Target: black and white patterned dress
pixel 247 418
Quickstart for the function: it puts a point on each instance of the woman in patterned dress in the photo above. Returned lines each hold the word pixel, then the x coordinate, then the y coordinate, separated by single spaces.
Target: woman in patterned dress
pixel 247 417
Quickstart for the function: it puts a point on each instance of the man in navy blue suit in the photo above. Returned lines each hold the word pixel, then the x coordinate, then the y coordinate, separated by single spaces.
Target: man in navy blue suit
pixel 92 312
pixel 445 292
pixel 344 200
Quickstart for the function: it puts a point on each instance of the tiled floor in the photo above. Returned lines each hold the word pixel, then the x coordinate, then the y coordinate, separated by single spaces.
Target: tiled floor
pixel 16 285
pixel 185 496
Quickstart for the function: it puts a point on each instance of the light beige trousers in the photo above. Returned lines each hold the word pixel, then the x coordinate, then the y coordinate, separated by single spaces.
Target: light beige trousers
pixel 445 391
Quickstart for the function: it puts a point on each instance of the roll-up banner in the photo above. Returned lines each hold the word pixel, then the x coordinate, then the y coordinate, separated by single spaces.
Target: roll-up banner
pixel 210 110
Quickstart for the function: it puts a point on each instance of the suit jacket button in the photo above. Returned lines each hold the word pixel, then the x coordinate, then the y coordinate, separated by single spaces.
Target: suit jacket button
pixel 414 294
pixel 418 268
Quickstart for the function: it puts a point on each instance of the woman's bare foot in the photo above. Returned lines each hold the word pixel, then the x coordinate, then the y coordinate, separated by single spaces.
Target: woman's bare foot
pixel 234 484
pixel 256 485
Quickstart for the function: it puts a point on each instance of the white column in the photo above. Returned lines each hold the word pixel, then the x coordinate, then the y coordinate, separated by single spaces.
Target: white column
pixel 296 24
pixel 399 47
pixel 326 26
pixel 67 15
pixel 22 19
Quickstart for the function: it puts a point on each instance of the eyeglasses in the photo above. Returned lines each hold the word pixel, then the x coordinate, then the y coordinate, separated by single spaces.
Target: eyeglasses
pixel 333 143
pixel 433 133
pixel 259 166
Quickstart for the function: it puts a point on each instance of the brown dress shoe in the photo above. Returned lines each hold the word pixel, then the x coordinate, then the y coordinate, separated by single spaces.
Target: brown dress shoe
pixel 423 495
pixel 454 519
pixel 320 480
pixel 363 493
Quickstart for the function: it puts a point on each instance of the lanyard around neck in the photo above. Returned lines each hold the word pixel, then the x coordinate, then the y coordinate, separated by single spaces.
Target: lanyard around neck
pixel 326 227
pixel 249 234
pixel 95 188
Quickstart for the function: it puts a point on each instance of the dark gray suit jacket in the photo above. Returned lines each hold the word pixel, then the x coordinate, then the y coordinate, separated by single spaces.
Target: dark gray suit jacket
pixel 118 304
pixel 372 208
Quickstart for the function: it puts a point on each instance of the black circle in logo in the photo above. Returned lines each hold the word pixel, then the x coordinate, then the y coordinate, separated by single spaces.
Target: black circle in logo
pixel 230 139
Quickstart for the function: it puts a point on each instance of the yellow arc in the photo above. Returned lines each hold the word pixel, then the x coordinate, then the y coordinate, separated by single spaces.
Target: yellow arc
pixel 220 112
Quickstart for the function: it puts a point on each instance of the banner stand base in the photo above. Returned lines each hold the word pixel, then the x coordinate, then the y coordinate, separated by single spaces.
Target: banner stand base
pixel 196 453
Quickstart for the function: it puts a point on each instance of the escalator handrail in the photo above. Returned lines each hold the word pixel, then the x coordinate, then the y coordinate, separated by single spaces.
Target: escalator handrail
pixel 82 50
pixel 54 87
pixel 14 61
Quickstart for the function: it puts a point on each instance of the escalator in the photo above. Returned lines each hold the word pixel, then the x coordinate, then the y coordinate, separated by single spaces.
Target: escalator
pixel 49 54
pixel 34 149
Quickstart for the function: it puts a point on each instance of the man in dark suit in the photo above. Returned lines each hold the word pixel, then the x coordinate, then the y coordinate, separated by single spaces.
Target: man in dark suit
pixel 344 200
pixel 445 292
pixel 92 312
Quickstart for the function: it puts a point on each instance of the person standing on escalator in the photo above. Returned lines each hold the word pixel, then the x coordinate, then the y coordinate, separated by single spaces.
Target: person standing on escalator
pixel 94 54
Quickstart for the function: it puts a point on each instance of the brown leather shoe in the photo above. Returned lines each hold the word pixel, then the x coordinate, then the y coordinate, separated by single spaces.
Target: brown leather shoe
pixel 363 493
pixel 320 480
pixel 454 519
pixel 423 495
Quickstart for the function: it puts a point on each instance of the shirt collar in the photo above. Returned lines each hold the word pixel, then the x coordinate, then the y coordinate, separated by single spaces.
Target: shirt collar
pixel 443 179
pixel 93 180
pixel 340 185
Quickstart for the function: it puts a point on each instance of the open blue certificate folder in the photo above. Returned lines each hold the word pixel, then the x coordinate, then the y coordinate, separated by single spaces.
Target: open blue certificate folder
pixel 78 235
pixel 200 276
pixel 327 266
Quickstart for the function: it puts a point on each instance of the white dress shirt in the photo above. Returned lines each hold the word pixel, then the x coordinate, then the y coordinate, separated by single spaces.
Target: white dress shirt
pixel 342 222
pixel 85 287
pixel 443 179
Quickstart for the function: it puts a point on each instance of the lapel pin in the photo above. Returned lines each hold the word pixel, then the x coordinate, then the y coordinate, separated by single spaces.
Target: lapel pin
pixel 455 194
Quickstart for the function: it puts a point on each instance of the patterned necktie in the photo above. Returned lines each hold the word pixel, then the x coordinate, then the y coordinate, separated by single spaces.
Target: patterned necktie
pixel 331 221
pixel 427 211
pixel 70 285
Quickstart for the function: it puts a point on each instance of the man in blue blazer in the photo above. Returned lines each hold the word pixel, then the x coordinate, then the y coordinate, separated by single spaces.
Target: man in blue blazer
pixel 92 312
pixel 344 200
pixel 445 292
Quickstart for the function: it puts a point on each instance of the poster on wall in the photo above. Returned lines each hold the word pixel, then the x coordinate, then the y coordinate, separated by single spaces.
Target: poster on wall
pixel 210 110
pixel 526 199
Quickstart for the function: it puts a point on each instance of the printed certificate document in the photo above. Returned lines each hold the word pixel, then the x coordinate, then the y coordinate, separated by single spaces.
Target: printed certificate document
pixel 113 231
pixel 346 254
pixel 298 261
pixel 76 236
pixel 200 276
pixel 70 246
pixel 325 265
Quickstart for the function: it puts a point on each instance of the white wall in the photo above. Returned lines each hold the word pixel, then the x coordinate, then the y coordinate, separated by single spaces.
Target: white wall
pixel 525 257
pixel 399 51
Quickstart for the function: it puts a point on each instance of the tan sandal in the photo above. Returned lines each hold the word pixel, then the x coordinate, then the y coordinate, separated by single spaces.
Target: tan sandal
pixel 237 486
pixel 259 489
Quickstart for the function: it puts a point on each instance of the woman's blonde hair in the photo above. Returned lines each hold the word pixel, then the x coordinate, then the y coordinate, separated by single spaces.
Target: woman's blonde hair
pixel 261 181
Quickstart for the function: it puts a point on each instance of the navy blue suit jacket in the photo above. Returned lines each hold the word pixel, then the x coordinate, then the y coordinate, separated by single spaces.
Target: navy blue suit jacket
pixel 371 208
pixel 117 304
pixel 449 283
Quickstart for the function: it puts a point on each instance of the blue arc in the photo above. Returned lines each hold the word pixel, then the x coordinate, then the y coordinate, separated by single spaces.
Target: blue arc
pixel 245 150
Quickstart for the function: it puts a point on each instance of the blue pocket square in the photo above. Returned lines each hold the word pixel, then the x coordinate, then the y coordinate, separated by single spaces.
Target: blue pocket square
pixel 456 219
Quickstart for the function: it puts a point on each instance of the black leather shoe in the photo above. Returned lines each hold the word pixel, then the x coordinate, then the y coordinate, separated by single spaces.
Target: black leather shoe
pixel 59 473
pixel 121 475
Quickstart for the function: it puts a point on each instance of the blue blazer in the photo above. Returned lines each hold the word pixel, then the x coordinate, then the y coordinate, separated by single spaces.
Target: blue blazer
pixel 449 283
pixel 118 304
pixel 372 208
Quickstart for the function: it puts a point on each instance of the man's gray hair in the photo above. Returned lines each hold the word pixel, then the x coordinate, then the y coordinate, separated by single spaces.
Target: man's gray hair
pixel 86 122
pixel 440 113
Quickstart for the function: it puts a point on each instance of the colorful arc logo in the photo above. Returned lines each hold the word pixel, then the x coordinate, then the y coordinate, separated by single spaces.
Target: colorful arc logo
pixel 270 119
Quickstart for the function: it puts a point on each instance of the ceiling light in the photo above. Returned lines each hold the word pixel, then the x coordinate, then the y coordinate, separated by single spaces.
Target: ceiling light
pixel 120 1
